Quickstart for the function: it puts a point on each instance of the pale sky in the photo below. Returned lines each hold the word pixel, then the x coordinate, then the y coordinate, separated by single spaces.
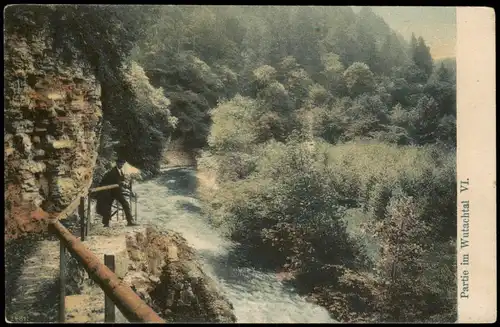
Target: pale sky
pixel 437 25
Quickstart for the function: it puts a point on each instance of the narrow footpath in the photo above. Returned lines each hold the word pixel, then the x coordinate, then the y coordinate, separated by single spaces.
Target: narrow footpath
pixel 32 276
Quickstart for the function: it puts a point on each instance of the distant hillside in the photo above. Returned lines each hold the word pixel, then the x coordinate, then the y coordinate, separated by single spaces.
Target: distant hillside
pixel 378 27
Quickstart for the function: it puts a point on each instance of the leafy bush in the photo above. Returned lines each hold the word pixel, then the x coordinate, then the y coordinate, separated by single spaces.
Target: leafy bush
pixel 284 201
pixel 407 259
pixel 234 125
pixel 359 78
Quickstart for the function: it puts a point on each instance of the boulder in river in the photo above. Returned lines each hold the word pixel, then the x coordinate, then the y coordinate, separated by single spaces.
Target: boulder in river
pixel 164 272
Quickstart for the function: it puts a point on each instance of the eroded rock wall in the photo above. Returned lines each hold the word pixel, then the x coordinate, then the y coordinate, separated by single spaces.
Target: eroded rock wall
pixel 52 117
pixel 164 272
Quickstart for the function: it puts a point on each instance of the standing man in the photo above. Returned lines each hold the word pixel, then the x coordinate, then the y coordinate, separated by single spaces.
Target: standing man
pixel 106 198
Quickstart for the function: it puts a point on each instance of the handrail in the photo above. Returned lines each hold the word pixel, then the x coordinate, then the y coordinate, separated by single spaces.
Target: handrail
pixel 103 188
pixel 127 301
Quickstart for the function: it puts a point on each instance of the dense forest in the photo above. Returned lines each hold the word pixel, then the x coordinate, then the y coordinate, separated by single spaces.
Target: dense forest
pixel 331 137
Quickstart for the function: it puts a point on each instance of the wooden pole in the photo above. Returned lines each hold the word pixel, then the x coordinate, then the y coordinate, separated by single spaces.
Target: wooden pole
pixel 109 306
pixel 81 213
pixel 62 282
pixel 89 215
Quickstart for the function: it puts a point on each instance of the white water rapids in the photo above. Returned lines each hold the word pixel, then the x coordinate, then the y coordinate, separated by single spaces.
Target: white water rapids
pixel 168 202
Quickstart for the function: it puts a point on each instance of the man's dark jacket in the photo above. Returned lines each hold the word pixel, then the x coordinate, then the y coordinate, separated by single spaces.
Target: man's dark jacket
pixel 105 198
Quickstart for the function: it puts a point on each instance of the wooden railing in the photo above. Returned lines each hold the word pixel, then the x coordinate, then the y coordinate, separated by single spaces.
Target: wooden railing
pixel 125 299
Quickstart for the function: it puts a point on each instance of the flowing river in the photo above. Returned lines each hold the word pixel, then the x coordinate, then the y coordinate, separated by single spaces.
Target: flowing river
pixel 169 202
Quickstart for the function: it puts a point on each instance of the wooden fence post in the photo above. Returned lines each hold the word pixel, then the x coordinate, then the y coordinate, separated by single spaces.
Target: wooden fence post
pixel 81 213
pixel 62 282
pixel 89 215
pixel 109 306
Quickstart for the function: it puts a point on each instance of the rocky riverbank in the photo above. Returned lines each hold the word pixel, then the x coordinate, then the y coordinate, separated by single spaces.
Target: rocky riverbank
pixel 160 267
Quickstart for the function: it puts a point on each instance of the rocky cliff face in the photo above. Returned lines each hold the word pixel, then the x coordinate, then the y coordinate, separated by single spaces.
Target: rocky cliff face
pixel 52 121
pixel 164 272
